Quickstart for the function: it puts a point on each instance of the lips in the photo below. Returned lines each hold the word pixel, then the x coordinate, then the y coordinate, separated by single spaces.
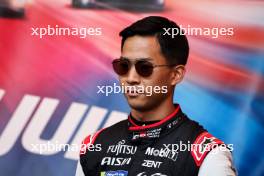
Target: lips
pixel 132 93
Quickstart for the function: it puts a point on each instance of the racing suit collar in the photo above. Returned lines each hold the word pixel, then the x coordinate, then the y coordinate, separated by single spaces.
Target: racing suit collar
pixel 136 122
pixel 145 135
pixel 133 125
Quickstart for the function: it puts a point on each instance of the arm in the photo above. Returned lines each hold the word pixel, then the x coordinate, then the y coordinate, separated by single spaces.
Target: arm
pixel 218 163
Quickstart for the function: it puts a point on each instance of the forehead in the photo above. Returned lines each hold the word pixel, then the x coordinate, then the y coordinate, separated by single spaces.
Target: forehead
pixel 141 47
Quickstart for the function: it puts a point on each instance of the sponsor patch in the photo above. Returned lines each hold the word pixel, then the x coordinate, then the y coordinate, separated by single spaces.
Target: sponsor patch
pixel 114 173
pixel 204 143
pixel 147 134
pixel 89 140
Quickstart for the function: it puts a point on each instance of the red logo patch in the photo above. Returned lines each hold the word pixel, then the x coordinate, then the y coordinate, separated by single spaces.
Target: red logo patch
pixel 203 144
pixel 89 140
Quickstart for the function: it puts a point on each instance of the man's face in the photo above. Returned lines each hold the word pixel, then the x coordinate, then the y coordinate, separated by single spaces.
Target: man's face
pixel 147 47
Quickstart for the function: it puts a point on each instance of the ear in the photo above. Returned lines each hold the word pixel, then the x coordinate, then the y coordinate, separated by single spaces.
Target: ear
pixel 177 74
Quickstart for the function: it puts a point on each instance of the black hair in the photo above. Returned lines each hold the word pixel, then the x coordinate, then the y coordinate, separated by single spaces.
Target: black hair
pixel 174 48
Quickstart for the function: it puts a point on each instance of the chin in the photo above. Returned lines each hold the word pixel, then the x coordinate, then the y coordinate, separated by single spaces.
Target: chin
pixel 137 106
pixel 137 103
pixel 141 104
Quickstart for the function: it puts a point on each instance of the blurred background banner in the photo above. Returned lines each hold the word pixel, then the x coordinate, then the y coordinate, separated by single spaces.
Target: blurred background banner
pixel 49 83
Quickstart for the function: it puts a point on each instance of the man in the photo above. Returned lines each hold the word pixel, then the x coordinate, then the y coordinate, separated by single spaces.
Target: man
pixel 147 143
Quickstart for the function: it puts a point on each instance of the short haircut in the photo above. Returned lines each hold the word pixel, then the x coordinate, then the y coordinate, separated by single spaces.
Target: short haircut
pixel 174 49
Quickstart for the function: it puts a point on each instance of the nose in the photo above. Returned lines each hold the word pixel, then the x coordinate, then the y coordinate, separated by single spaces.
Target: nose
pixel 132 77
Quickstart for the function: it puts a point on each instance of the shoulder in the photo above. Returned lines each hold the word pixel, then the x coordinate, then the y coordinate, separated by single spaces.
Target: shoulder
pixel 202 145
pixel 104 134
pixel 189 129
pixel 202 141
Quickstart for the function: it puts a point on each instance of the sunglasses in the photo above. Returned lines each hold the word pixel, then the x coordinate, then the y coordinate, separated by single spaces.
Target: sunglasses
pixel 143 67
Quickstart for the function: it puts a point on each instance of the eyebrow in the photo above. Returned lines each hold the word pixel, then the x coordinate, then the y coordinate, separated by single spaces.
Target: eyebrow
pixel 143 58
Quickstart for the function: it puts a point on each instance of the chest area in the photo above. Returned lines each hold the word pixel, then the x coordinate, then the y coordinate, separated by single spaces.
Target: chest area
pixel 156 158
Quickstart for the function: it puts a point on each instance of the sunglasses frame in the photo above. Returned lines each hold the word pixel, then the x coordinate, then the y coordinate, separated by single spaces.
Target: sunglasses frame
pixel 137 67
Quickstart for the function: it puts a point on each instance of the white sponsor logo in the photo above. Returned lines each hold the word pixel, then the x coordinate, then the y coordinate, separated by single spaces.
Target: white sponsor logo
pixel 150 134
pixel 113 161
pixel 121 148
pixel 163 152
pixel 151 163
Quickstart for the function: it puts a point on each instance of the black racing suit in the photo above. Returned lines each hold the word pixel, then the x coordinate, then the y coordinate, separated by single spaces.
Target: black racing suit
pixel 151 150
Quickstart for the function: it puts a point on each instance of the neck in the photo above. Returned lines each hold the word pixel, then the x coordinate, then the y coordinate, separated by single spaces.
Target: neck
pixel 157 113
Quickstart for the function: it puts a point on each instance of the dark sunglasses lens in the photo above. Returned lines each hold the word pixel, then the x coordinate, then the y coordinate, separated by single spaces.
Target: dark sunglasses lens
pixel 121 67
pixel 144 68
